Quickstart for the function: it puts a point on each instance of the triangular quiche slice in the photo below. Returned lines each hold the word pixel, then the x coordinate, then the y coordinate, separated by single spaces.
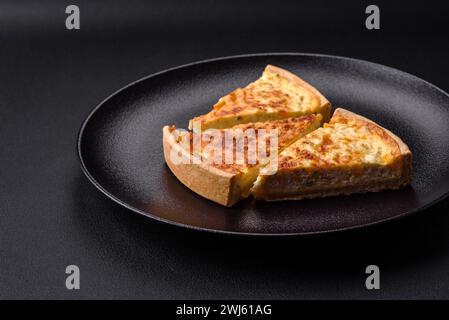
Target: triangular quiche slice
pixel 350 154
pixel 221 182
pixel 277 94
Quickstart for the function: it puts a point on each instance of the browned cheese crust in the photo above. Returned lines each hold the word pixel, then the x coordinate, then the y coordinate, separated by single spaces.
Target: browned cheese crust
pixel 209 182
pixel 278 94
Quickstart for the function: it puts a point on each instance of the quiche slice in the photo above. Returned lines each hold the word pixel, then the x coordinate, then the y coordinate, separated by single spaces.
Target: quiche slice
pixel 216 180
pixel 277 94
pixel 350 154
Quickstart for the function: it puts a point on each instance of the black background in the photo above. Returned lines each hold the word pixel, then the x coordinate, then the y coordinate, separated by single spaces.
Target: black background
pixel 50 215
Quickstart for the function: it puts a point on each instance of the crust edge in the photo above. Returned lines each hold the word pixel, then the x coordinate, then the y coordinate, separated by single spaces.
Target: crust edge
pixel 404 159
pixel 203 179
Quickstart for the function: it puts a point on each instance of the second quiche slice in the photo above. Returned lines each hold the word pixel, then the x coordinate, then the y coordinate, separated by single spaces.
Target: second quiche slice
pixel 350 154
pixel 277 94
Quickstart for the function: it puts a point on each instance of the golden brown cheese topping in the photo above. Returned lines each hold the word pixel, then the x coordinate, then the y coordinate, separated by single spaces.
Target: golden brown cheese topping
pixel 271 97
pixel 341 142
pixel 288 130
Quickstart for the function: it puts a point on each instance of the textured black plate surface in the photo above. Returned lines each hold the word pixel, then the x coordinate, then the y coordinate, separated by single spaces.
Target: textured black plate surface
pixel 120 143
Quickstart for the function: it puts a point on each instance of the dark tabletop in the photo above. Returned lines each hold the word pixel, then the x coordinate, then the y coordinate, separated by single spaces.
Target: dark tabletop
pixel 51 216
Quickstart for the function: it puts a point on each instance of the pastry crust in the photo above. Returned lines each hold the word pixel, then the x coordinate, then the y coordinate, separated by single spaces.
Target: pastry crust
pixel 362 188
pixel 349 154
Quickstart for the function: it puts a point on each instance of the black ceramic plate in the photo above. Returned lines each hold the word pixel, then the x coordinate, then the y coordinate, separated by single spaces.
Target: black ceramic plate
pixel 120 143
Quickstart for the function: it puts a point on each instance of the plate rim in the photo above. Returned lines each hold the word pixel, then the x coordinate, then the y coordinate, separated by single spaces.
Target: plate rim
pixel 112 197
